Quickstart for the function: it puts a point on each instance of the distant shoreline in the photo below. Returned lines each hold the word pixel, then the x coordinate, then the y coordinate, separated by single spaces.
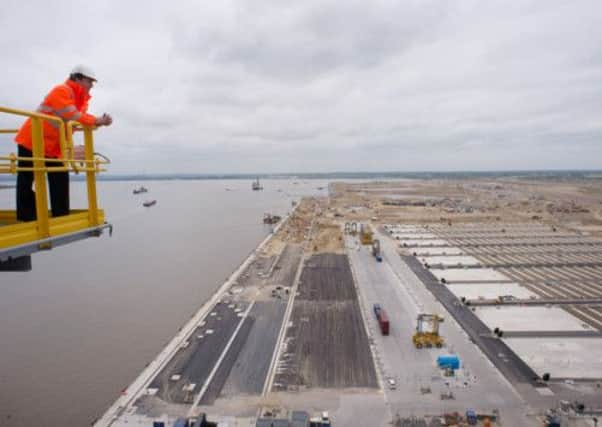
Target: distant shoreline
pixel 551 174
pixel 517 174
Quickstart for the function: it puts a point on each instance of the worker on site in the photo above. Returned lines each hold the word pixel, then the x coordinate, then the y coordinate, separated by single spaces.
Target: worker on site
pixel 69 101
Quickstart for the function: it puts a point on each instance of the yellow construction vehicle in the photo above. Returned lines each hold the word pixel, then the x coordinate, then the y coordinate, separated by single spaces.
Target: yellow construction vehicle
pixel 18 240
pixel 427 331
pixel 365 234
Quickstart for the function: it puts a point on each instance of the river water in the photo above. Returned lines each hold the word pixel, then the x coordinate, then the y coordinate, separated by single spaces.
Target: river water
pixel 82 325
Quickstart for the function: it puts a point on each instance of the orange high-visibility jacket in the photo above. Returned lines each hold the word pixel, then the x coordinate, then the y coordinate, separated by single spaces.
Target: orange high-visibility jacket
pixel 68 101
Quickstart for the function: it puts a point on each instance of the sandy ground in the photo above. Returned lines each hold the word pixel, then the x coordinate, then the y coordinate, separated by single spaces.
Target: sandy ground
pixel 574 204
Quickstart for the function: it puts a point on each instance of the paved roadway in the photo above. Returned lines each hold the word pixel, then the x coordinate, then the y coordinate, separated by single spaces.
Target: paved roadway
pixel 395 354
pixel 400 291
pixel 251 367
pixel 249 370
pixel 214 388
pixel 195 362
pixel 246 363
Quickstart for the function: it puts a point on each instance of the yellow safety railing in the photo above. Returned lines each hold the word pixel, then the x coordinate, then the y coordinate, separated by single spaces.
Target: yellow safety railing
pixel 45 227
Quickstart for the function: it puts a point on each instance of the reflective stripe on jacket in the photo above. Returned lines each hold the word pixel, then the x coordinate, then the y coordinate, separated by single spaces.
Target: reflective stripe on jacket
pixel 69 101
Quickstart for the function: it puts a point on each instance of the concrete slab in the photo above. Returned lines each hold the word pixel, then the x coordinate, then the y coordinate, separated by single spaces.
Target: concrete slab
pixel 449 261
pixel 530 319
pixel 421 242
pixel 414 235
pixel 409 227
pixel 490 290
pixel 561 357
pixel 438 250
pixel 459 275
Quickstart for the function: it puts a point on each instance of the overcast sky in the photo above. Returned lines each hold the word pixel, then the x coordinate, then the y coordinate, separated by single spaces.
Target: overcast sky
pixel 318 86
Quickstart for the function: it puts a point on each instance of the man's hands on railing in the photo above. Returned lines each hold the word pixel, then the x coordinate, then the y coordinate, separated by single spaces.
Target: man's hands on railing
pixel 104 120
pixel 78 150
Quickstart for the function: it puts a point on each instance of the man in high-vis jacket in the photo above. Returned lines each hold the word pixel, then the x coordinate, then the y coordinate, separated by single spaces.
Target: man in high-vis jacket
pixel 68 101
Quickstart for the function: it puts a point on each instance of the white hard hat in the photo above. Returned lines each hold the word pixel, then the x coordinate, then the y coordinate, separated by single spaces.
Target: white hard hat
pixel 84 71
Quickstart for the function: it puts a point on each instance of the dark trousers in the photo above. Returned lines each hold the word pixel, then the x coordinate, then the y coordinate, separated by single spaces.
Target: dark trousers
pixel 58 183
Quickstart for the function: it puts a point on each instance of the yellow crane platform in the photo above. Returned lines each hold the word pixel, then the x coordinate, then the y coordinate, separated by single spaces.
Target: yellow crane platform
pixel 18 240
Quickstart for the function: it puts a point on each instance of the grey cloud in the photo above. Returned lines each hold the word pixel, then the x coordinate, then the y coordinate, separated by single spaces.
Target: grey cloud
pixel 302 43
pixel 322 85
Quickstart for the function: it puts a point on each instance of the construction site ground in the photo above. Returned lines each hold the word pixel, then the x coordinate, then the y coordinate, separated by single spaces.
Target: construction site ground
pixel 326 345
pixel 295 329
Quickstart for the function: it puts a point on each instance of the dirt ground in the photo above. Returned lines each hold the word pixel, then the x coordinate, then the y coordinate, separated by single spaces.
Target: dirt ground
pixel 574 204
pixel 295 229
pixel 319 222
pixel 327 237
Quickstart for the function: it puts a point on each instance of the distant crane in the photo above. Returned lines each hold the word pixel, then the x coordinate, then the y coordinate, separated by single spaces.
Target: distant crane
pixel 365 234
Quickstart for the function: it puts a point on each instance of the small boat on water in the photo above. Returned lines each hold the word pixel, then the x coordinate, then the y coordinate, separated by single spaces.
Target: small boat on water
pixel 271 219
pixel 140 189
pixel 256 185
pixel 149 203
